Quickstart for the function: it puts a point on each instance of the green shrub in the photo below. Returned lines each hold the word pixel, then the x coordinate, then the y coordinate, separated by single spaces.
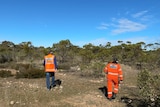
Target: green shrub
pixel 31 73
pixel 149 88
pixel 4 73
pixel 5 58
pixel 64 66
pixel 4 65
pixel 28 71
pixel 93 70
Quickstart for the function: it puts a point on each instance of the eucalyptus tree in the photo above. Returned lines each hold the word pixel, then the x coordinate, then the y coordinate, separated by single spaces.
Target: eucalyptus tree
pixel 6 46
pixel 138 52
pixel 103 54
pixel 149 46
pixel 116 51
pixel 87 53
pixel 120 42
pixel 26 50
pixel 108 45
pixel 7 52
pixel 62 49
pixel 156 46
pixel 129 42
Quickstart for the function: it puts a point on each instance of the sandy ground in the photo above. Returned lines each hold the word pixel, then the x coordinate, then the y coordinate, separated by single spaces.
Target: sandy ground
pixel 75 91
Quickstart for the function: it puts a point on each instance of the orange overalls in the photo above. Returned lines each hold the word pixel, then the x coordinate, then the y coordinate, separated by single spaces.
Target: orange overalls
pixel 114 74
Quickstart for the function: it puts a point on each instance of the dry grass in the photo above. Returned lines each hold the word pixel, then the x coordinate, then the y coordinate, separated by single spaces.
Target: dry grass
pixel 74 92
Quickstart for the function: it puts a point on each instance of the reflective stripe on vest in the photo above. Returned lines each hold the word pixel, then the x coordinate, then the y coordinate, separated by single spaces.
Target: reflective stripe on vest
pixel 111 73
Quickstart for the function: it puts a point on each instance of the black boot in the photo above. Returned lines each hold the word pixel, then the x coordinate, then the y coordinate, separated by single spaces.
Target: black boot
pixel 114 96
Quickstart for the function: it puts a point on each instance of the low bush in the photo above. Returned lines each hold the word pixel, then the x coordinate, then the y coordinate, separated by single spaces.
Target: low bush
pixel 93 70
pixel 148 84
pixel 31 73
pixel 4 65
pixel 28 71
pixel 4 73
pixel 64 66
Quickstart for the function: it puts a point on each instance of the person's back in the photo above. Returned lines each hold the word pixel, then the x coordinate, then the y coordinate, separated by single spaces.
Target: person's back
pixel 113 67
pixel 49 63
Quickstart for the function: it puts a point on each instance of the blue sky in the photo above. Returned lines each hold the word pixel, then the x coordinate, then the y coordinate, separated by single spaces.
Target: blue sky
pixel 44 22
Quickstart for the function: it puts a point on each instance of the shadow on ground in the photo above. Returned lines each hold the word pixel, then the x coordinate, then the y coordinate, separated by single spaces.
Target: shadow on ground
pixel 134 102
pixel 128 101
pixel 104 90
pixel 58 82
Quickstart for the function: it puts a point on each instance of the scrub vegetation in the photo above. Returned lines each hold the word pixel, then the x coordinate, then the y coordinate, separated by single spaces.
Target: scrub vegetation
pixel 22 77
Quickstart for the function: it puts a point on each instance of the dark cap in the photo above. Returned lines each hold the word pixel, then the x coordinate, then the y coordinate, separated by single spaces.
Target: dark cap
pixel 51 52
pixel 115 60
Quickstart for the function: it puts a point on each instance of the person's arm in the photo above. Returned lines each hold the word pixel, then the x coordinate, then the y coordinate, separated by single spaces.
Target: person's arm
pixel 44 62
pixel 120 73
pixel 55 62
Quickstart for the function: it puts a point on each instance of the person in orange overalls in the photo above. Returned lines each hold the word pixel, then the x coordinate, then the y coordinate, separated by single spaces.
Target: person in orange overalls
pixel 114 77
pixel 50 65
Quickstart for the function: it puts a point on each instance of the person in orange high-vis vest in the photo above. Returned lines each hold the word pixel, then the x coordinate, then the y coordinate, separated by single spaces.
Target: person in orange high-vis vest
pixel 114 77
pixel 50 65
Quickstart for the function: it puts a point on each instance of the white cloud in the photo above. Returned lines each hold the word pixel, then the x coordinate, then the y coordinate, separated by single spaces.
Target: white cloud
pixel 139 14
pixel 125 25
pixel 103 26
pixel 142 15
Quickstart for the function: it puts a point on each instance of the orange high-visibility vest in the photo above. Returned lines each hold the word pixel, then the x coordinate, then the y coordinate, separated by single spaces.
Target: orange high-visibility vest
pixel 49 63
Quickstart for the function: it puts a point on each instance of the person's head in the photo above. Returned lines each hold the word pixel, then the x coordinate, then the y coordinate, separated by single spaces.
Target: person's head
pixel 115 60
pixel 50 52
